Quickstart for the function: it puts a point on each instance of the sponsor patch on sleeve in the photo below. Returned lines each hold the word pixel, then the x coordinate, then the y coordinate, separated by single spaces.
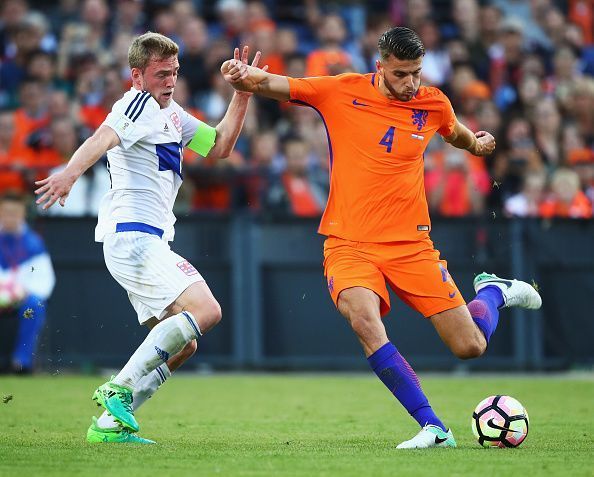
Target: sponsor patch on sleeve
pixel 422 228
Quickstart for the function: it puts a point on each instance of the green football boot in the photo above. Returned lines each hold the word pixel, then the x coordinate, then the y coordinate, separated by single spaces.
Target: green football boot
pixel 117 400
pixel 119 434
pixel 429 436
pixel 515 292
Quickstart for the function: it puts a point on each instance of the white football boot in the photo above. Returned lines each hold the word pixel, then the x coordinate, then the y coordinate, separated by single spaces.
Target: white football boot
pixel 429 436
pixel 515 292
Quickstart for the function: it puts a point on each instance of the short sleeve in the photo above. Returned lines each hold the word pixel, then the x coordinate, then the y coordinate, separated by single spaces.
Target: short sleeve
pixel 312 91
pixel 132 117
pixel 448 118
pixel 190 125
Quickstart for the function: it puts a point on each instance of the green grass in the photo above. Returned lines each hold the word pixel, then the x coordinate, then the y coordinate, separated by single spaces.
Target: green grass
pixel 291 425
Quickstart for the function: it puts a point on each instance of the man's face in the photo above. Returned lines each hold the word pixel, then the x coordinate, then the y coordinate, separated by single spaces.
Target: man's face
pixel 401 78
pixel 12 215
pixel 158 78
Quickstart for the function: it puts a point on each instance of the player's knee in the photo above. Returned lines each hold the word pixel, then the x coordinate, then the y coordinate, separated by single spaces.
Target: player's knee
pixel 208 314
pixel 470 348
pixel 362 323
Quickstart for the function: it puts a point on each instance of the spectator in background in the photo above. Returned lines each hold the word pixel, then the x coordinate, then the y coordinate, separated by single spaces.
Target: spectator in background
pixel 32 114
pixel 26 267
pixel 294 193
pixel 192 61
pixel 23 41
pixel 330 58
pixel 129 17
pixel 527 202
pixel 436 63
pixel 506 62
pixel 64 140
pixel 13 157
pixel 547 131
pixel 456 183
pixel 517 158
pixel 566 199
pixel 112 89
pixel 233 17
pixel 582 162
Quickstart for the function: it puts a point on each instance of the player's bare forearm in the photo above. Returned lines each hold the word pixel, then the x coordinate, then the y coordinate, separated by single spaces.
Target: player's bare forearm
pixel 230 126
pixel 57 186
pixel 92 150
pixel 481 143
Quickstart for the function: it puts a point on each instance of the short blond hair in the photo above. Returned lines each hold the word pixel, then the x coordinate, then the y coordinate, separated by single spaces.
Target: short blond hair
pixel 148 46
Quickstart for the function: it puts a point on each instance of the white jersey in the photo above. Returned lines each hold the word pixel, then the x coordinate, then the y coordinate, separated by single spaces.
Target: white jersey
pixel 146 167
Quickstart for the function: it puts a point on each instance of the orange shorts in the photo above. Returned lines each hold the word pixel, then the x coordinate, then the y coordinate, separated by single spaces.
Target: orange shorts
pixel 412 269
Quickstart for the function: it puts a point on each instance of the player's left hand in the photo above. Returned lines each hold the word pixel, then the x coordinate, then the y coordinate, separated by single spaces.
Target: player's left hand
pixel 485 143
pixel 236 71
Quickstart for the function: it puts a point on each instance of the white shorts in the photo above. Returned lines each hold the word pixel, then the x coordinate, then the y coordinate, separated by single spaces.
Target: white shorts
pixel 152 274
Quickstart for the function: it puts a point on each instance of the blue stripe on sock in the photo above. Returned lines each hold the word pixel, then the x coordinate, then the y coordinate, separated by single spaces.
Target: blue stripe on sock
pixel 191 320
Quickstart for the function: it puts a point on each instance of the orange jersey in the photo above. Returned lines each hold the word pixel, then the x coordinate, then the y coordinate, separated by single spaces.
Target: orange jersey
pixel 377 191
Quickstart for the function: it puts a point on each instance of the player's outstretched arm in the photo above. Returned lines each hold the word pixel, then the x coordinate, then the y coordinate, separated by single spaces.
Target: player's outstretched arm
pixel 57 186
pixel 480 143
pixel 250 79
pixel 230 126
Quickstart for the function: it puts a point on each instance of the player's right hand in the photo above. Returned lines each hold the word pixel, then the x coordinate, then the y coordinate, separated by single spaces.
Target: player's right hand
pixel 485 143
pixel 55 188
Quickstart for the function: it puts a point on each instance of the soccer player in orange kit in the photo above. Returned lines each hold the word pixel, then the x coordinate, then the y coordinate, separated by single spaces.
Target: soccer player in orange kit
pixel 377 220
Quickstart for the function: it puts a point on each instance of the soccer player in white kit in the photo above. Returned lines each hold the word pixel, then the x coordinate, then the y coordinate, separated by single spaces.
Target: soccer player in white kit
pixel 143 137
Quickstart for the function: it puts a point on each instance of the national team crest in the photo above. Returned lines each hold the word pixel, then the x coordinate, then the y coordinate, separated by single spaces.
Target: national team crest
pixel 419 117
pixel 176 121
pixel 187 268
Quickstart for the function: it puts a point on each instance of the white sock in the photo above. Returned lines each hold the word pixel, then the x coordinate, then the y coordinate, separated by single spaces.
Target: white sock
pixel 164 340
pixel 145 388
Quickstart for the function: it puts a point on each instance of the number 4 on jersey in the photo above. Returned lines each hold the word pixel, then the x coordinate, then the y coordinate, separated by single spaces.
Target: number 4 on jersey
pixel 388 139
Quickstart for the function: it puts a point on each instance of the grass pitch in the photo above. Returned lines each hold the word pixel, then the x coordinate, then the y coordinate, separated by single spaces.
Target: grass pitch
pixel 291 425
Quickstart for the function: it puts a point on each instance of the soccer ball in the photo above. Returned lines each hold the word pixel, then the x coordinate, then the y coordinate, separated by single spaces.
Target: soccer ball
pixel 500 421
pixel 11 292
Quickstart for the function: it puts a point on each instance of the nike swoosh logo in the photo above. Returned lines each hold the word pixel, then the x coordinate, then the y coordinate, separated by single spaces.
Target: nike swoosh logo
pixel 439 441
pixel 357 103
pixel 492 425
pixel 452 295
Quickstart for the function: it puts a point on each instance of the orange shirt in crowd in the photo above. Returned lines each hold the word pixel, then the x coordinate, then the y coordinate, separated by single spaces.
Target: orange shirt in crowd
pixel 456 201
pixel 12 165
pixel 377 191
pixel 319 61
pixel 579 208
pixel 303 202
pixel 93 116
pixel 24 125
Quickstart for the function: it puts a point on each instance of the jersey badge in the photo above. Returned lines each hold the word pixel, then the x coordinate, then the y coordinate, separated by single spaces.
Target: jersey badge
pixel 166 128
pixel 176 121
pixel 187 268
pixel 419 117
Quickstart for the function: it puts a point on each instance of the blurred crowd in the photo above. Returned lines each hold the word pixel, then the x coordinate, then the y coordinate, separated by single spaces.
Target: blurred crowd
pixel 523 70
